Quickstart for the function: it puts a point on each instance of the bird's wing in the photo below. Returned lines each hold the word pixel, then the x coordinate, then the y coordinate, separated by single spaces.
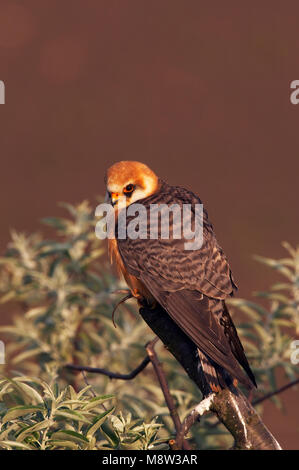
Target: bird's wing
pixel 208 325
pixel 183 280
pixel 205 270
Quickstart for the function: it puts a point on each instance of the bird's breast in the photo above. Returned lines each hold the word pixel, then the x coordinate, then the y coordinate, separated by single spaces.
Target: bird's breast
pixel 138 289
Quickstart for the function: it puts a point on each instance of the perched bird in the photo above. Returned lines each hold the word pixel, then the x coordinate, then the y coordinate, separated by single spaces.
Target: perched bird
pixel 191 285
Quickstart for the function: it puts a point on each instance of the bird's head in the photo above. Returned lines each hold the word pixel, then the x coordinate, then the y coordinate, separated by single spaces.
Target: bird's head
pixel 128 182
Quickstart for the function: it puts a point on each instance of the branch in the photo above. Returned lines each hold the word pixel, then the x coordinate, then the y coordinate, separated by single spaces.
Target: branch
pixel 230 405
pixel 108 373
pixel 192 418
pixel 265 397
pixel 275 392
pixel 150 348
pixel 163 383
pixel 153 358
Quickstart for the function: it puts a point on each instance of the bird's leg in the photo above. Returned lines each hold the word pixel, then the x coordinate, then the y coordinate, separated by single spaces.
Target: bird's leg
pixel 142 300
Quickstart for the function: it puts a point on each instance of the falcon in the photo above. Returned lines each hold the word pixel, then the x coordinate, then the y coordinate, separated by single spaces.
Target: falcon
pixel 190 285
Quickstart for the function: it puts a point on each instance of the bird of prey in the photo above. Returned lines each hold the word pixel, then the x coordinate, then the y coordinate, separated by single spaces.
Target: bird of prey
pixel 190 285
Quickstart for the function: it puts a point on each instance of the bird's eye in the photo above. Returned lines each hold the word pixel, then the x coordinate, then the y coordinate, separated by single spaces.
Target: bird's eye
pixel 129 188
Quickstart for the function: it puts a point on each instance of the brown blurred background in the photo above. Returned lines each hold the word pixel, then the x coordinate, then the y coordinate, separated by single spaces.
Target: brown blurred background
pixel 200 92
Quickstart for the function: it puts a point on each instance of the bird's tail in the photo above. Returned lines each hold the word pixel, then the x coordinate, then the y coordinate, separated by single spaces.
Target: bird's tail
pixel 217 377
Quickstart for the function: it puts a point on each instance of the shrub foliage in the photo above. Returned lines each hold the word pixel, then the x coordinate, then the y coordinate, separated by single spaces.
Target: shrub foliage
pixel 63 293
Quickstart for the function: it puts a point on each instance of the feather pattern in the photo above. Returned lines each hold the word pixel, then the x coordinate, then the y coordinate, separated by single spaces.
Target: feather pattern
pixel 191 285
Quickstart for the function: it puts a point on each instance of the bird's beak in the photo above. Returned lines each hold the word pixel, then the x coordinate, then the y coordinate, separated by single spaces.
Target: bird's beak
pixel 111 198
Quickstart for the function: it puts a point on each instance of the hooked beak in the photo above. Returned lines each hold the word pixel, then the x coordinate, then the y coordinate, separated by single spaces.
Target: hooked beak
pixel 111 198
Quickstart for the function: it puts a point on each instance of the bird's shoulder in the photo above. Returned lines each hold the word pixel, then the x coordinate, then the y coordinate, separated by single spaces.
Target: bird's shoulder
pixel 205 269
pixel 170 194
pixel 176 195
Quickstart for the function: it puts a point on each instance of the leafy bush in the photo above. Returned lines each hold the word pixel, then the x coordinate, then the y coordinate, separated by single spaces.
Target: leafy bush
pixel 38 415
pixel 64 293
